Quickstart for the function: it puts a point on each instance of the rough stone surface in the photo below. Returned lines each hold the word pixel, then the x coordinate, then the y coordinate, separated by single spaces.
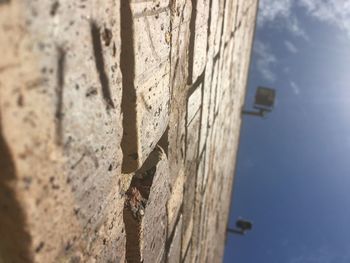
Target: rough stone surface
pixel 154 223
pixel 174 252
pixel 145 211
pixel 94 94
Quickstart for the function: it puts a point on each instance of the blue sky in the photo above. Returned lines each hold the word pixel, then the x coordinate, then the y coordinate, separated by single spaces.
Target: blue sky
pixel 293 171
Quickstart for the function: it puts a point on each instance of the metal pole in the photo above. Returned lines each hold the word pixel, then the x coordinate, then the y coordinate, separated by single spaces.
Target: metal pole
pixel 253 113
pixel 235 231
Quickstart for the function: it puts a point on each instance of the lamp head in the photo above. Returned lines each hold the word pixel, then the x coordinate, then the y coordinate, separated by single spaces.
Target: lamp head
pixel 244 225
pixel 264 98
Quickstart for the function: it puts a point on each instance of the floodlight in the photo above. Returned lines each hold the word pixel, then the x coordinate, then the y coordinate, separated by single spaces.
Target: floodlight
pixel 264 102
pixel 242 226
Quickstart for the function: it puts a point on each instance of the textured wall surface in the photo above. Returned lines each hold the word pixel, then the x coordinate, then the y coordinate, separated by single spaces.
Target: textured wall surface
pixel 119 125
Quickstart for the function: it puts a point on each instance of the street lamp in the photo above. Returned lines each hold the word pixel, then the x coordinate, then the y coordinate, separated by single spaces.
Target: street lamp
pixel 264 101
pixel 242 226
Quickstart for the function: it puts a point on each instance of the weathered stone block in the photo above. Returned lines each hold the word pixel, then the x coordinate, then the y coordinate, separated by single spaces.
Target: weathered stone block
pixel 61 120
pixel 145 211
pixel 199 38
pixel 174 253
pixel 154 223
pixel 146 110
pixel 175 201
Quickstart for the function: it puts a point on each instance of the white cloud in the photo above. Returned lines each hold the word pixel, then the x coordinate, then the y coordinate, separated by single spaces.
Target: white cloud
pixel 295 88
pixel 333 12
pixel 293 26
pixel 281 10
pixel 291 47
pixel 269 10
pixel 265 60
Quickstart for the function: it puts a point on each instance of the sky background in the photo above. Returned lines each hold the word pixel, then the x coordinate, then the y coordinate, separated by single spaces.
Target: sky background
pixel 293 170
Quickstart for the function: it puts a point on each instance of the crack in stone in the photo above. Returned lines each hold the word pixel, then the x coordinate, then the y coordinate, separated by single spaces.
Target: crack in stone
pixel 134 207
pixel 192 41
pixel 100 64
pixel 59 92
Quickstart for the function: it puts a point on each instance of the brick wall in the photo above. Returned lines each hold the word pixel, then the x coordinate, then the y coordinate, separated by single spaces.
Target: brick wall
pixel 119 125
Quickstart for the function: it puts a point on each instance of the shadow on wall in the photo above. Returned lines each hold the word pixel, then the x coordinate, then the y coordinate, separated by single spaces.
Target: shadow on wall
pixel 129 142
pixel 14 241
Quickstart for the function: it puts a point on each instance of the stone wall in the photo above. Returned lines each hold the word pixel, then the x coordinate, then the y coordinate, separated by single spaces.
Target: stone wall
pixel 119 125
